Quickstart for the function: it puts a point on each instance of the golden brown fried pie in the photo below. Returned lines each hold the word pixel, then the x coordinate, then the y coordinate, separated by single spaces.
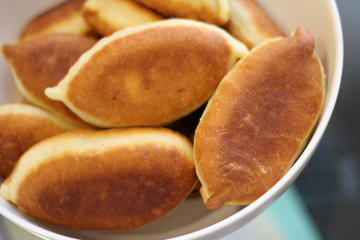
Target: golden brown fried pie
pixel 43 62
pixel 250 24
pixel 106 180
pixel 211 11
pixel 109 16
pixel 21 127
pixel 259 120
pixel 64 18
pixel 151 74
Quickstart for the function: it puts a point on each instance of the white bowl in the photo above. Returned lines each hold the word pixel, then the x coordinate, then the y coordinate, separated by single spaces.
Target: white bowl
pixel 191 220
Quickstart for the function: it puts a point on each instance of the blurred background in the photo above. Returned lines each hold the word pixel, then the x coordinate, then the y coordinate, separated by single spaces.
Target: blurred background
pixel 330 184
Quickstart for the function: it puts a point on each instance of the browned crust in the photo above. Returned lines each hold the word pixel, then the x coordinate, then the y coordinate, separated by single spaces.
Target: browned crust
pixel 260 20
pixel 145 79
pixel 18 132
pixel 40 25
pixel 102 26
pixel 186 9
pixel 124 14
pixel 42 62
pixel 115 188
pixel 259 120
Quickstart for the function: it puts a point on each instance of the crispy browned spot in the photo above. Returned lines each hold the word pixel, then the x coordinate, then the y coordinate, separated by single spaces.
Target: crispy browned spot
pixel 118 188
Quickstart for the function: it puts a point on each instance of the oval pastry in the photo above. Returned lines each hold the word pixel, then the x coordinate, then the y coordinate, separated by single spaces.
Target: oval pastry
pixel 106 180
pixel 42 62
pixel 21 127
pixel 259 120
pixel 148 75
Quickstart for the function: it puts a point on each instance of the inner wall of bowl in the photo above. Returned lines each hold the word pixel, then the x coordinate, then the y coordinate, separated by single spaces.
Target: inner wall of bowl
pixel 191 215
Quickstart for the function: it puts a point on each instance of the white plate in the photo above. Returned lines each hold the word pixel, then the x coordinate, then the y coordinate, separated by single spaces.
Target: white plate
pixel 191 220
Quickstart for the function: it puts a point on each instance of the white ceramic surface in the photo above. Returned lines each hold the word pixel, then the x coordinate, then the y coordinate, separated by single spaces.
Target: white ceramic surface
pixel 191 220
pixel 286 218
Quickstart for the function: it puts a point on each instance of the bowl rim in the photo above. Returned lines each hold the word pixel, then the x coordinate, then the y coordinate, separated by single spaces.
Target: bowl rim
pixel 248 213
